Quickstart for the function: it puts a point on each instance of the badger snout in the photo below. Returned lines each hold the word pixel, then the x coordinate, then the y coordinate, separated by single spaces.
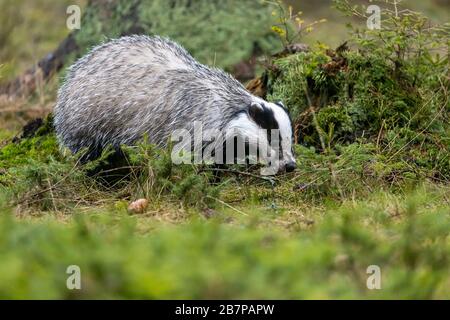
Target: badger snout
pixel 274 168
pixel 290 166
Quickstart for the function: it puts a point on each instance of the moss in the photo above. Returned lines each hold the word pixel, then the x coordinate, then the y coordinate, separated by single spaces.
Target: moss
pixel 373 95
pixel 38 148
pixel 37 174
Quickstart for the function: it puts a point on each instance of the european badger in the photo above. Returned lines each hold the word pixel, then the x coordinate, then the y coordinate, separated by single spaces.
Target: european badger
pixel 139 85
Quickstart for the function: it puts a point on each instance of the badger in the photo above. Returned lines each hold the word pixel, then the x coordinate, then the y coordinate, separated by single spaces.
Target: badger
pixel 150 86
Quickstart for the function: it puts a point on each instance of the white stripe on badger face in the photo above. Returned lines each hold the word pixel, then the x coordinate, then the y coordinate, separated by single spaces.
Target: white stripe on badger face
pixel 251 132
pixel 285 127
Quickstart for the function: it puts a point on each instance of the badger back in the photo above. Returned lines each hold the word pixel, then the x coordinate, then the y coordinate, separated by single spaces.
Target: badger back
pixel 140 85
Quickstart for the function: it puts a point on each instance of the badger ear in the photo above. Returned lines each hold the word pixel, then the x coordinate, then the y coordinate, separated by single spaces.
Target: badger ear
pixel 255 110
pixel 281 104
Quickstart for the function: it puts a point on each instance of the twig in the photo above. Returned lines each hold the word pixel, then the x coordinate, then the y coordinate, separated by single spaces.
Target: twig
pixel 229 206
pixel 241 173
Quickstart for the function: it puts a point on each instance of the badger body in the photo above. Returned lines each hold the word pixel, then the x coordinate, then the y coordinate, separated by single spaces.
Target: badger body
pixel 139 85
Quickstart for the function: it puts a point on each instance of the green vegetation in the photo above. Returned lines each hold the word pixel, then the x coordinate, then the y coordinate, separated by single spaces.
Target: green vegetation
pixel 372 124
pixel 386 104
pixel 235 256
pixel 217 25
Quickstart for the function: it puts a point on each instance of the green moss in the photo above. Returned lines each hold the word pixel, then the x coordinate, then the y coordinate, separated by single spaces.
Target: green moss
pixel 37 174
pixel 290 83
pixel 38 148
pixel 371 93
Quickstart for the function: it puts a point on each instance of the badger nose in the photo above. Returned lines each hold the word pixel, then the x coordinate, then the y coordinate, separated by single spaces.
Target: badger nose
pixel 290 166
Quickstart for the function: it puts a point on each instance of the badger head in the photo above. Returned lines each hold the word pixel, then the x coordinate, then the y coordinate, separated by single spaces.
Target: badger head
pixel 267 128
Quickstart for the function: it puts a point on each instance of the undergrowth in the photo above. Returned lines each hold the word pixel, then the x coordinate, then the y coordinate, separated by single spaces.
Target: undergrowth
pixel 180 20
pixel 129 257
pixel 372 138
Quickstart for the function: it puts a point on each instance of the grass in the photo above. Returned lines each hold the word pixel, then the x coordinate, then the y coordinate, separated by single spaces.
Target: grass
pixel 295 238
pixel 307 252
pixel 372 188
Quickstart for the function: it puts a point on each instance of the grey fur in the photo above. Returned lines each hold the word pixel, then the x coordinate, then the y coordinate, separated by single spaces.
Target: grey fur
pixel 140 85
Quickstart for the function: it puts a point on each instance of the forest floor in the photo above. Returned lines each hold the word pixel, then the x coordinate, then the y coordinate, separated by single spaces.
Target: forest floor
pixel 366 215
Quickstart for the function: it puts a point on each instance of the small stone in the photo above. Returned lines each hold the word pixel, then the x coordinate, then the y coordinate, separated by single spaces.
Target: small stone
pixel 209 213
pixel 138 206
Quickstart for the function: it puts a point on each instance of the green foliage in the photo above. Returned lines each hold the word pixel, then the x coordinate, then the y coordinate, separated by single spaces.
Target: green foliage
pixel 37 175
pixel 225 32
pixel 290 27
pixel 392 92
pixel 213 260
pixel 154 174
pixel 39 148
pixel 371 187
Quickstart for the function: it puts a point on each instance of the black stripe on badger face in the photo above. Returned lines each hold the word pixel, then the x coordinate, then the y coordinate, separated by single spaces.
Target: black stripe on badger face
pixel 265 118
